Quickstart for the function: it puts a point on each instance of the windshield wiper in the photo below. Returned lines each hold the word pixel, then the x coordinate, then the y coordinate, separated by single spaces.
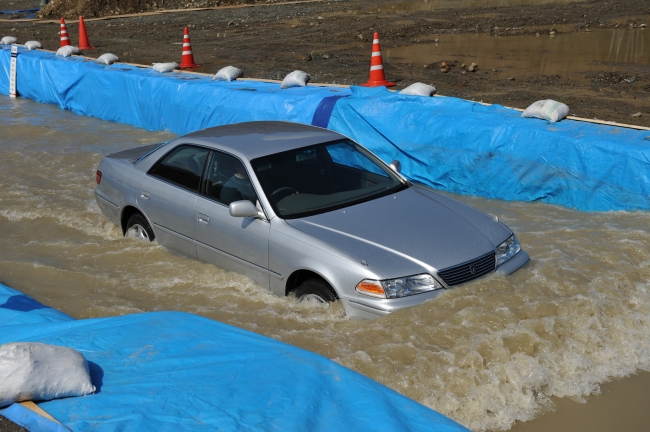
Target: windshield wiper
pixel 401 187
pixel 363 199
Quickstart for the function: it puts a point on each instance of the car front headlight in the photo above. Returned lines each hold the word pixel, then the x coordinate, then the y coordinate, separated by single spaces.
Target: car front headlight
pixel 507 249
pixel 400 287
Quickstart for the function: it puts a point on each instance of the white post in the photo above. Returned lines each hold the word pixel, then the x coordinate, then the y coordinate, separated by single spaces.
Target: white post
pixel 12 71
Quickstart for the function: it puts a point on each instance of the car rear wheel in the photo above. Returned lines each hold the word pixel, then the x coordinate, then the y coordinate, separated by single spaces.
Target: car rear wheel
pixel 315 291
pixel 138 227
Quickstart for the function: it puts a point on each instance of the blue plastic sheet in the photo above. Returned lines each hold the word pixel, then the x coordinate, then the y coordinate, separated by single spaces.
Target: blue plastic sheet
pixel 29 420
pixel 324 110
pixel 17 308
pixel 177 371
pixel 446 143
pixel 14 12
pixel 180 103
pixel 490 151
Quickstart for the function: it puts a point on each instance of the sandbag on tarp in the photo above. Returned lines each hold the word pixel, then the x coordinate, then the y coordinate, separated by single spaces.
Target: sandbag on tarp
pixel 490 151
pixel 17 308
pixel 177 371
pixel 180 103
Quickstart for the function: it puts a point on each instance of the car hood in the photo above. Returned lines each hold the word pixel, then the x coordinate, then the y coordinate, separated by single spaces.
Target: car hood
pixel 410 232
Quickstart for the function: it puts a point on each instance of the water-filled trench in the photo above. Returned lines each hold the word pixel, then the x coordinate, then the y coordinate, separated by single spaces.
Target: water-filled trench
pixel 575 55
pixel 486 354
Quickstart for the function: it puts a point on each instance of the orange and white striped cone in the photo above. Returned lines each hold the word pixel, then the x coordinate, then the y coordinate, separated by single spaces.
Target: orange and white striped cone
pixel 187 61
pixel 65 40
pixel 377 77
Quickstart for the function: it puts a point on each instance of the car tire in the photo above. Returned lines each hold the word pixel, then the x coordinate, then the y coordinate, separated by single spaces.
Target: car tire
pixel 316 291
pixel 138 227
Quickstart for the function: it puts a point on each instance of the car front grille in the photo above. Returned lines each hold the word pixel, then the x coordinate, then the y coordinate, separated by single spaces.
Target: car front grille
pixel 469 271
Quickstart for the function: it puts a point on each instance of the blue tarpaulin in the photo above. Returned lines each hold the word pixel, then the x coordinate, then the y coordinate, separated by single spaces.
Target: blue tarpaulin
pixel 491 151
pixel 26 418
pixel 177 371
pixel 447 143
pixel 20 11
pixel 17 308
pixel 180 103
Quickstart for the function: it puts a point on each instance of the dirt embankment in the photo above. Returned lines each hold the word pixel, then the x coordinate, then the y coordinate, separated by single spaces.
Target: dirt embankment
pixel 71 9
pixel 332 40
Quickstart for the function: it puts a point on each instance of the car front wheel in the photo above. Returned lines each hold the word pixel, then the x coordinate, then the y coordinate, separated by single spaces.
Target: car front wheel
pixel 138 227
pixel 315 291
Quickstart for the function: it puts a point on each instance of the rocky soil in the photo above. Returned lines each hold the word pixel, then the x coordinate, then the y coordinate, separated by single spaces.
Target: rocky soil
pixel 332 41
pixel 9 426
pixel 71 9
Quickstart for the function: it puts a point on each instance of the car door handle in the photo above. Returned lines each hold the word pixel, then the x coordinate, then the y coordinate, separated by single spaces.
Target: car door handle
pixel 144 194
pixel 204 218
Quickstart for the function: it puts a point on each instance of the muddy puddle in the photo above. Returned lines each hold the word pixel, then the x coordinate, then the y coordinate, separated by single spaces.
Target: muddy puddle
pixel 486 354
pixel 574 55
pixel 431 5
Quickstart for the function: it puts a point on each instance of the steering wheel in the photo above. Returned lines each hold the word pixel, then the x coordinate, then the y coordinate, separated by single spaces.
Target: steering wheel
pixel 285 190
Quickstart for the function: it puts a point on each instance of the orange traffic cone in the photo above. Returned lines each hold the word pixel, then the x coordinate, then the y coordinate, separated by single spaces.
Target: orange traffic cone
pixel 377 77
pixel 84 43
pixel 187 61
pixel 65 40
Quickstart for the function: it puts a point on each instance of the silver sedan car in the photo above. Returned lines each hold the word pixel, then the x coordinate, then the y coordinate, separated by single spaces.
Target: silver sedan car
pixel 306 211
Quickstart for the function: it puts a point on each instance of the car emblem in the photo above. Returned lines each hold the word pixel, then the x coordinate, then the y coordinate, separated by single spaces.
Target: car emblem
pixel 472 269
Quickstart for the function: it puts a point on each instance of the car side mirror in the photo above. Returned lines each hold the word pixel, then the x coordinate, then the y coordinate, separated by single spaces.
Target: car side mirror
pixel 396 166
pixel 244 208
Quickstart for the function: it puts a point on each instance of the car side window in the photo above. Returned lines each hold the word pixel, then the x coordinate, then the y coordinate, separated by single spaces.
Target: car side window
pixel 226 180
pixel 182 167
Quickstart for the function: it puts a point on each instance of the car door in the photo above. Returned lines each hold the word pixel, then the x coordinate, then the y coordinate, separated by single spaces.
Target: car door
pixel 233 243
pixel 167 195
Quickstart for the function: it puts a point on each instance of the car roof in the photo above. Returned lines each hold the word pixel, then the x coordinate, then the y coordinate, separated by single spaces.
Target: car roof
pixel 260 138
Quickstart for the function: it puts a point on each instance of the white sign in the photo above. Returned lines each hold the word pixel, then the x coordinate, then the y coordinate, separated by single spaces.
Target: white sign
pixel 12 71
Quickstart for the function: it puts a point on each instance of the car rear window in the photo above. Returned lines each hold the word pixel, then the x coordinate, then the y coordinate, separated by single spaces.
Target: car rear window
pixel 182 167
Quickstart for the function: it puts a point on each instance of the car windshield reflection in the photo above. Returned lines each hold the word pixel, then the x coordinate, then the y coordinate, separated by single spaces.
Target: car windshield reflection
pixel 322 178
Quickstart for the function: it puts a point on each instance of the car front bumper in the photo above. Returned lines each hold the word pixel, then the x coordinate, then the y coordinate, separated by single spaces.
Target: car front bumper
pixel 368 308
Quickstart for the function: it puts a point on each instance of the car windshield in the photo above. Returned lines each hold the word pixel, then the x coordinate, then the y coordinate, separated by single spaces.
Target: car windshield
pixel 322 178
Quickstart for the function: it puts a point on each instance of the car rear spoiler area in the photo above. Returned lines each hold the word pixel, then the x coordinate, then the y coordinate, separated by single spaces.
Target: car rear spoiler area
pixel 135 155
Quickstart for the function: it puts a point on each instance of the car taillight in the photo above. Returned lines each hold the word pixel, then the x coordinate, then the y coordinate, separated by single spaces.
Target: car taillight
pixel 98 177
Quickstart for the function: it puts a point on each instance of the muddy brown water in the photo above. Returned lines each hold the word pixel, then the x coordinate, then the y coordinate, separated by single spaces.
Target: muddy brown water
pixel 576 55
pixel 432 5
pixel 486 354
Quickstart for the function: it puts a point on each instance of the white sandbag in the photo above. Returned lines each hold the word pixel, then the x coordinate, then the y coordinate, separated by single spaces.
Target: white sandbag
pixel 8 40
pixel 67 51
pixel 36 371
pixel 107 59
pixel 229 73
pixel 419 89
pixel 164 67
pixel 295 79
pixel 32 45
pixel 547 110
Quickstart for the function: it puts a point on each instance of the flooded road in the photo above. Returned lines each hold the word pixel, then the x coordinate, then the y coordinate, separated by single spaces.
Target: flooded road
pixel 486 354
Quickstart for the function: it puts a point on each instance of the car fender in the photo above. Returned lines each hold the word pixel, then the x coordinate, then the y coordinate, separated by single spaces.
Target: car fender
pixel 291 250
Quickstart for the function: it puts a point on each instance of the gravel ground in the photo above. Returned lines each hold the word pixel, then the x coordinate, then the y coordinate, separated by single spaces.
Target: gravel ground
pixel 332 41
pixel 9 426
